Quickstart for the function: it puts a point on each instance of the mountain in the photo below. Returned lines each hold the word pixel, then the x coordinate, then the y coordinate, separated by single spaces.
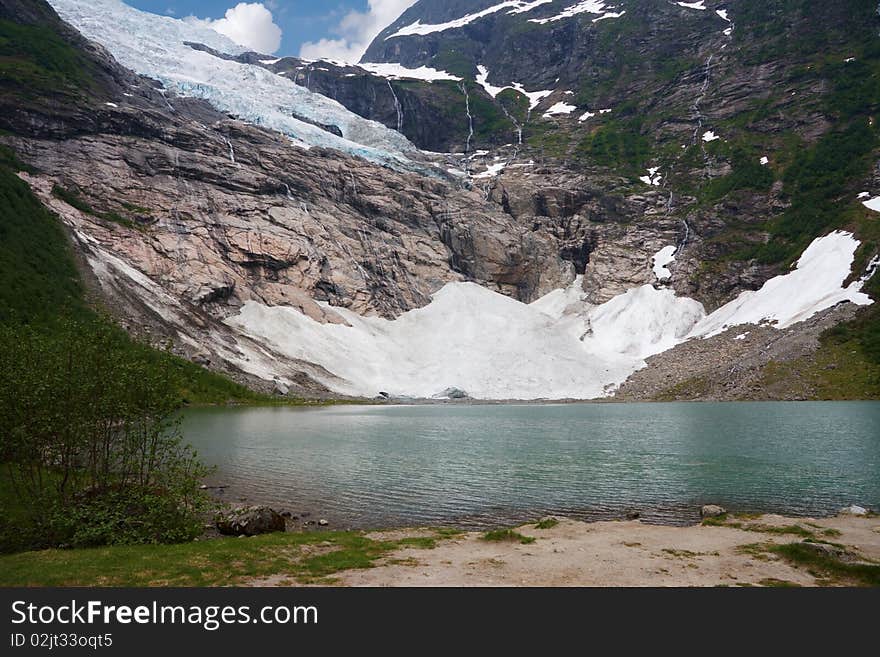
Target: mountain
pixel 655 182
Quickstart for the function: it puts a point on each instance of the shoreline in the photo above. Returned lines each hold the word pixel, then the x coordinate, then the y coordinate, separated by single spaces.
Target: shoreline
pixel 753 550
pixel 765 550
pixel 397 403
pixel 299 521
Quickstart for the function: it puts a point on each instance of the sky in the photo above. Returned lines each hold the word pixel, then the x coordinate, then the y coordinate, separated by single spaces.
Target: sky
pixel 330 29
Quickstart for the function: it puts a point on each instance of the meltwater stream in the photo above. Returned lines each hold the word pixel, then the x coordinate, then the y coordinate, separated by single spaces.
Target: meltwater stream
pixel 479 465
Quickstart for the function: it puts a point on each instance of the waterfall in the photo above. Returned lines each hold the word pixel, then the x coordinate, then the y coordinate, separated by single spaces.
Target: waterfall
pixel 397 107
pixel 467 105
pixel 684 241
pixel 231 150
pixel 516 124
pixel 696 107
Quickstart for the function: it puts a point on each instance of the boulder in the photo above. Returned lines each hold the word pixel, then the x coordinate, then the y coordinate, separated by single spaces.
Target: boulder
pixel 712 511
pixel 281 388
pixel 831 551
pixel 249 521
pixel 854 510
pixel 453 393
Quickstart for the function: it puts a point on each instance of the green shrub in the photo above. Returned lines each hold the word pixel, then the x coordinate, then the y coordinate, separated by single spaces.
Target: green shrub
pixel 128 516
pixel 90 437
pixel 619 144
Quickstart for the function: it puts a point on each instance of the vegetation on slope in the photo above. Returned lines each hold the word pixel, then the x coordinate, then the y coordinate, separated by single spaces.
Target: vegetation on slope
pixel 35 60
pixel 42 292
pixel 89 447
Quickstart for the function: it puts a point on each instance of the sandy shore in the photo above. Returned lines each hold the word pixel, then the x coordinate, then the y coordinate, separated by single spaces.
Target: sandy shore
pixel 574 553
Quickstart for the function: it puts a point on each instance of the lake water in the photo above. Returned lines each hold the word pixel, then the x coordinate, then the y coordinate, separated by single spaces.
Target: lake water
pixel 476 465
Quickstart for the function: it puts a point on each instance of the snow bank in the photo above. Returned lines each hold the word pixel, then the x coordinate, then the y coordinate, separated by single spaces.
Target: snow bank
pixel 396 71
pixel 653 178
pixel 493 170
pixel 535 97
pixel 664 258
pixel 516 7
pixel 710 136
pixel 586 6
pixel 816 284
pixel 873 204
pixel 560 108
pixel 154 46
pixel 558 347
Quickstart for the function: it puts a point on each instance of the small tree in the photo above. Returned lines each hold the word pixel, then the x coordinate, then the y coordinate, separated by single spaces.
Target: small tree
pixel 89 433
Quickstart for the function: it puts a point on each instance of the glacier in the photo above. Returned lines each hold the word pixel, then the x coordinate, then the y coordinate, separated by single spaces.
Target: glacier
pixel 490 345
pixel 558 347
pixel 155 46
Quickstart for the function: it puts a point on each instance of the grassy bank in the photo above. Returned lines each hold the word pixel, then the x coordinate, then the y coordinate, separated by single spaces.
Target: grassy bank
pixel 730 551
pixel 294 558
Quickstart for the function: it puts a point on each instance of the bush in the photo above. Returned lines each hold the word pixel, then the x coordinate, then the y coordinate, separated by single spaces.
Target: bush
pixel 126 516
pixel 90 437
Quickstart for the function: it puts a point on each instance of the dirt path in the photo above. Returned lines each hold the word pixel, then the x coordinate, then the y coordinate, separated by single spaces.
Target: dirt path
pixel 574 553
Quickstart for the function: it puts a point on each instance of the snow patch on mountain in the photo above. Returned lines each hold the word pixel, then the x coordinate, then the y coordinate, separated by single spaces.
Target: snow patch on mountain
pixel 155 46
pixel 560 108
pixel 586 6
pixel 398 71
pixel 483 342
pixel 872 204
pixel 516 6
pixel 492 170
pixel 815 285
pixel 661 262
pixel 535 97
pixel 653 178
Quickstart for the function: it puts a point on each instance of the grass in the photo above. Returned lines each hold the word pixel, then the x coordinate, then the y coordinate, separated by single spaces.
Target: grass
pixel 546 523
pixel 840 370
pixel 307 558
pixel 34 59
pixel 682 554
pixel 778 530
pixel 509 535
pixel 693 388
pixel 72 198
pixel 826 567
pixel 771 582
pixel 619 144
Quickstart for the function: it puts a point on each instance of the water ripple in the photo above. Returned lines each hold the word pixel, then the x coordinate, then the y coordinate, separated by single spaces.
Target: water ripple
pixel 486 465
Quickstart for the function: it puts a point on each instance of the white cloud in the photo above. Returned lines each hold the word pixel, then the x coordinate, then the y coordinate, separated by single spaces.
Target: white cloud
pixel 251 25
pixel 356 31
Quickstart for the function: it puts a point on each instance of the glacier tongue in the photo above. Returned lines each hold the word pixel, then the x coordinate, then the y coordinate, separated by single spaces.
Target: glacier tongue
pixel 154 46
pixel 490 345
pixel 558 347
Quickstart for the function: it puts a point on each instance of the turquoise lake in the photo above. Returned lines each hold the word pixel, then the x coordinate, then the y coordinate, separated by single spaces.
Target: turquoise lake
pixel 481 465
